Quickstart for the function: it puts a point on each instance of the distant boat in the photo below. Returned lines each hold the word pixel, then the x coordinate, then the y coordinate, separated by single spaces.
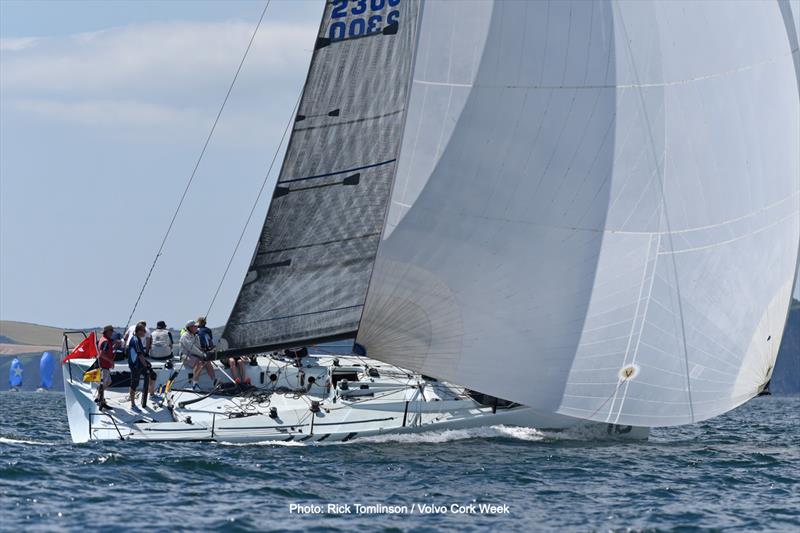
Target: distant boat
pixel 15 374
pixel 47 365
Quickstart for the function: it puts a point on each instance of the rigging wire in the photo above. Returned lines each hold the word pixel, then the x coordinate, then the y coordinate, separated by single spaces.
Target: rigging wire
pixel 255 204
pixel 197 164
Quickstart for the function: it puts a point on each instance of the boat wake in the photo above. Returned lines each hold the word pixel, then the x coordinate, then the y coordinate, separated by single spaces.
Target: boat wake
pixel 448 435
pixel 6 440
pixel 427 437
pixel 528 434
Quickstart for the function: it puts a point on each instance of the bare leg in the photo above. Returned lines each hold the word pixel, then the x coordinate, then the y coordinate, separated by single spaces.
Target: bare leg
pixel 101 390
pixel 210 370
pixel 234 371
pixel 104 384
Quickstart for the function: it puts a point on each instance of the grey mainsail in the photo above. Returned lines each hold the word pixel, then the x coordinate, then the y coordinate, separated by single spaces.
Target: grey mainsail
pixel 308 279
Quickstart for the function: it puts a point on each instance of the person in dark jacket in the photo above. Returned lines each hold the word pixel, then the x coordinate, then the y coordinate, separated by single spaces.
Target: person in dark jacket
pixel 139 365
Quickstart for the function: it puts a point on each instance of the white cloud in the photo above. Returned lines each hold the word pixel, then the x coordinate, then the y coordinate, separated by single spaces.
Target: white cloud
pixel 162 79
pixel 13 44
pixel 150 57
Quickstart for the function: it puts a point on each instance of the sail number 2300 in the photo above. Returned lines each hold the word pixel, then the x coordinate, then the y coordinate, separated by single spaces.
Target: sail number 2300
pixel 365 21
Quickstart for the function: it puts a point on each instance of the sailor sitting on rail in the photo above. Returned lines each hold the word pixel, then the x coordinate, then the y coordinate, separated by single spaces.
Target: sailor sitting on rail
pixel 237 365
pixel 162 342
pixel 195 357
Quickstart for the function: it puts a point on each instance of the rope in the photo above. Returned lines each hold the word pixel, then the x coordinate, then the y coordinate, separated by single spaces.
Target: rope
pixel 197 164
pixel 255 205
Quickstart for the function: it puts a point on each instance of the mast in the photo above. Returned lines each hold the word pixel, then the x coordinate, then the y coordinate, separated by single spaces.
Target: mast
pixel 308 278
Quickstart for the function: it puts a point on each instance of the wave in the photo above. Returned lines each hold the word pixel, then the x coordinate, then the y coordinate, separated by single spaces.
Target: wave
pixel 448 435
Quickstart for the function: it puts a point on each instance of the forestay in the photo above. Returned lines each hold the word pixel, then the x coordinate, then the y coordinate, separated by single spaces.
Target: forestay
pixel 596 207
pixel 309 275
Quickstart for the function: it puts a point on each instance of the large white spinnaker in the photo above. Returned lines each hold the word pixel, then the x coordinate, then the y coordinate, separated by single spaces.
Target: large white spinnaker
pixel 600 198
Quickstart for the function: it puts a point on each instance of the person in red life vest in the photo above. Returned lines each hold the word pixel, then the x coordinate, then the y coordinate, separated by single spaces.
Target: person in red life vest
pixel 105 358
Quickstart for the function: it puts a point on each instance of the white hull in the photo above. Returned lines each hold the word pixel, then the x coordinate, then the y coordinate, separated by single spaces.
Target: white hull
pixel 378 399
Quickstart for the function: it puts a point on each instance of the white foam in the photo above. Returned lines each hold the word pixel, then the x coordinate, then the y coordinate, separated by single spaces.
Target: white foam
pixel 434 437
pixel 5 440
pixel 578 433
pixel 448 435
pixel 264 443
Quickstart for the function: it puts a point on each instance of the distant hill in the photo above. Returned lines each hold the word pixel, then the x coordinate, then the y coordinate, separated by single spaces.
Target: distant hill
pixel 32 334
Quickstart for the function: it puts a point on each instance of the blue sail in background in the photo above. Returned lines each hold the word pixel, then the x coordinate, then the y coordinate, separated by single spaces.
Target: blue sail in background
pixel 47 364
pixel 15 373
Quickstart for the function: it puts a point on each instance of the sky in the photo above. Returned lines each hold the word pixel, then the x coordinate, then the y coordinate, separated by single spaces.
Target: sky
pixel 104 108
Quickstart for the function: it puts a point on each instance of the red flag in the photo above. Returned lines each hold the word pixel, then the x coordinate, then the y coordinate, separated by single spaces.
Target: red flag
pixel 87 349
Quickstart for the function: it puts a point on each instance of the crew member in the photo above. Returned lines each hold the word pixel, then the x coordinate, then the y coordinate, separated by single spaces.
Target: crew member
pixel 205 335
pixel 194 356
pixel 139 365
pixel 161 349
pixel 237 365
pixel 126 338
pixel 106 361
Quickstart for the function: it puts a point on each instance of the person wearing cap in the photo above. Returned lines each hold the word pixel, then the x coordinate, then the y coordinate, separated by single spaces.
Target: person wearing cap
pixel 194 356
pixel 204 334
pixel 105 359
pixel 130 332
pixel 162 343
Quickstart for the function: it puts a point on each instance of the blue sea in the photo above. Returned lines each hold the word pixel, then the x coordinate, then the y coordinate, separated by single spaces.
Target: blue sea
pixel 738 472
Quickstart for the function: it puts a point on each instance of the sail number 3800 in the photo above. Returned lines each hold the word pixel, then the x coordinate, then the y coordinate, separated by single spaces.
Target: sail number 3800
pixel 365 19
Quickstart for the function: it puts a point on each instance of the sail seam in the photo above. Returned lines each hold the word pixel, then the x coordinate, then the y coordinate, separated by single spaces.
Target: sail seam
pixel 339 172
pixel 611 231
pixel 334 241
pixel 674 83
pixel 354 121
pixel 294 316
pixel 793 214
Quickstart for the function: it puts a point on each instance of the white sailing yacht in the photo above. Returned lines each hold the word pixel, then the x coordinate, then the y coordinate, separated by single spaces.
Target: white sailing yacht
pixel 550 214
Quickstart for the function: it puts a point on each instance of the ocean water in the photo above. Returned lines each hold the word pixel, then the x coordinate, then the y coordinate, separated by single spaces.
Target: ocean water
pixel 738 472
